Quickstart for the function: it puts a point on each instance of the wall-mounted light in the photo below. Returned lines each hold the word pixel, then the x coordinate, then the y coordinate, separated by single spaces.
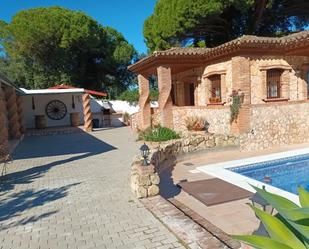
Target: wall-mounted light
pixel 73 102
pixel 33 104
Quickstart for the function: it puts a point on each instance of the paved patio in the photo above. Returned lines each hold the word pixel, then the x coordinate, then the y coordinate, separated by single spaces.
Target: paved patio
pixel 234 217
pixel 72 191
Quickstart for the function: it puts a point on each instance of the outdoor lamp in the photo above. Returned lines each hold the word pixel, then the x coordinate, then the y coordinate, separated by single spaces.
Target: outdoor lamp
pixel 145 153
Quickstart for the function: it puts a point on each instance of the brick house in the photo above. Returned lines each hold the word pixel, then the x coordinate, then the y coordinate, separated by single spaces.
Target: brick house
pixel 271 74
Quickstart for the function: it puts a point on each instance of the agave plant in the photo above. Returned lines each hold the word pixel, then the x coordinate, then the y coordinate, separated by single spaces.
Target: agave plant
pixel 288 229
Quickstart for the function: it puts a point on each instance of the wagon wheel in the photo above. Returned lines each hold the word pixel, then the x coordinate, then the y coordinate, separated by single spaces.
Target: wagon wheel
pixel 56 110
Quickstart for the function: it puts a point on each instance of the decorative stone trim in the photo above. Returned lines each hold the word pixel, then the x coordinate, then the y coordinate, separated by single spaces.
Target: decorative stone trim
pixel 213 72
pixel 87 113
pixel 216 104
pixel 275 100
pixel 212 229
pixel 190 232
pixel 276 66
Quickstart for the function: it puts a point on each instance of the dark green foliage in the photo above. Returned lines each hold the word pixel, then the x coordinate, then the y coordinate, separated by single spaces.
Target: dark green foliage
pixel 132 96
pixel 288 229
pixel 48 46
pixel 158 134
pixel 214 22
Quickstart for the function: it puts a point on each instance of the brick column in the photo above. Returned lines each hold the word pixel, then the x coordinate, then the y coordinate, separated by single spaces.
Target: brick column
pixel 20 113
pixel 165 100
pixel 12 113
pixel 87 113
pixel 144 102
pixel 241 76
pixel 3 126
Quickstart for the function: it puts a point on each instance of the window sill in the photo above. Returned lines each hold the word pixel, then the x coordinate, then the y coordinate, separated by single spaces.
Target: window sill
pixel 216 103
pixel 275 100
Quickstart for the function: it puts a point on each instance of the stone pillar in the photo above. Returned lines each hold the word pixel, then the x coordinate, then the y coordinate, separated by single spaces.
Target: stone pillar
pixel 12 112
pixel 144 102
pixel 20 113
pixel 87 113
pixel 165 100
pixel 3 126
pixel 241 76
pixel 144 180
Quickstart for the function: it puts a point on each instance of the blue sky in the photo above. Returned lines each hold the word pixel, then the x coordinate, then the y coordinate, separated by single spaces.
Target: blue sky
pixel 127 16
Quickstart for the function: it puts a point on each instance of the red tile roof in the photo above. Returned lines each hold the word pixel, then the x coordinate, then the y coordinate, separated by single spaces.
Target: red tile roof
pixel 244 43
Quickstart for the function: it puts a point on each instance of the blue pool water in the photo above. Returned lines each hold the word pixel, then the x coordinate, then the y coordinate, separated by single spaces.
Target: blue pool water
pixel 287 173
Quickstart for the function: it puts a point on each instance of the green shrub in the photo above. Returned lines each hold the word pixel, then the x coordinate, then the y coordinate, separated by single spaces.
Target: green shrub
pixel 289 229
pixel 158 134
pixel 132 96
pixel 235 106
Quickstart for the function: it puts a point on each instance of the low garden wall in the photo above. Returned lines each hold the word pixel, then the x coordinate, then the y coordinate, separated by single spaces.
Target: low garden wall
pixel 134 119
pixel 218 118
pixel 145 184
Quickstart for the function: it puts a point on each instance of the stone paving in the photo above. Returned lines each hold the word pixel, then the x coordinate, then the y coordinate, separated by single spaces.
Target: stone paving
pixel 72 191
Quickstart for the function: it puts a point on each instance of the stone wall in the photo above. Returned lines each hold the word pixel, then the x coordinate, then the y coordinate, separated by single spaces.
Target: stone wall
pixel 192 142
pixel 134 121
pixel 276 125
pixel 218 117
pixel 145 179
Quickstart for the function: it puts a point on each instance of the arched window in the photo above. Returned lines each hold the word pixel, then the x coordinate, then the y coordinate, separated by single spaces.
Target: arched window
pixel 215 88
pixel 274 83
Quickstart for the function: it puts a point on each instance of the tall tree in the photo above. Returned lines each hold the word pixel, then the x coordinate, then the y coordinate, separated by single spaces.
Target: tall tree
pixel 213 22
pixel 48 46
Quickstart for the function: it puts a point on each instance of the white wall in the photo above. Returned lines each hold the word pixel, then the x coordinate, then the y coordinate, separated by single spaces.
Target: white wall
pixel 118 106
pixel 41 101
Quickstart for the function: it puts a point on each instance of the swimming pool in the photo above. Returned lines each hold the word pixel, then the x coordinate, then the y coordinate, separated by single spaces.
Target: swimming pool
pixel 287 173
pixel 287 170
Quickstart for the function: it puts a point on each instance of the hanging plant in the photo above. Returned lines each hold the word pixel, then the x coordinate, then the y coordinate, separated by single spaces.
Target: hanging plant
pixel 236 105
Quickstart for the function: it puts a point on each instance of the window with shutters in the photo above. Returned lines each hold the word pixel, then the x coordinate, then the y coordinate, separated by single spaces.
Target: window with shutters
pixel 215 88
pixel 274 83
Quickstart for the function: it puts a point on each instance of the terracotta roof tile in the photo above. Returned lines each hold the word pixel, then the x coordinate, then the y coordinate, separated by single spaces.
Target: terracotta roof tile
pixel 246 41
